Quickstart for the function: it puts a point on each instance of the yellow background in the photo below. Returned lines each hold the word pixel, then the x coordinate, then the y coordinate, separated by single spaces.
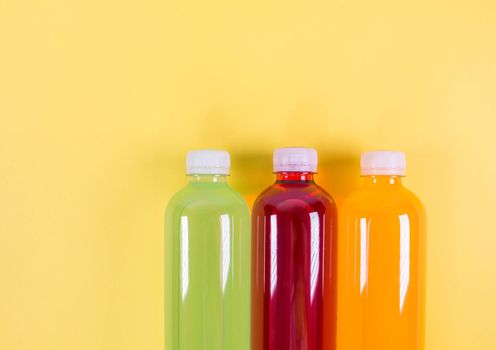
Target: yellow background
pixel 100 100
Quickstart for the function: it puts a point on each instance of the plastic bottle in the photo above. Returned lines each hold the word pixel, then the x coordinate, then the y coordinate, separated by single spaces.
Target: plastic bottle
pixel 207 260
pixel 381 260
pixel 293 260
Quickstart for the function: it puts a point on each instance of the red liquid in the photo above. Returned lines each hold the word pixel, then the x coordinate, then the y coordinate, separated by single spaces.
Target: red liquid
pixel 294 266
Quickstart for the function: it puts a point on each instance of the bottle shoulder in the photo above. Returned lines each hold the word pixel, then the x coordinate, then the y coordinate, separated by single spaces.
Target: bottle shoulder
pixel 366 202
pixel 213 198
pixel 278 195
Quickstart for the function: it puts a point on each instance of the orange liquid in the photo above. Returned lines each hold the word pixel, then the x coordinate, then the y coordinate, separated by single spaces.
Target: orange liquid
pixel 381 268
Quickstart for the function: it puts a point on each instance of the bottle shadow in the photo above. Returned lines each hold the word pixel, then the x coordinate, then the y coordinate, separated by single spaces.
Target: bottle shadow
pixel 251 173
pixel 339 174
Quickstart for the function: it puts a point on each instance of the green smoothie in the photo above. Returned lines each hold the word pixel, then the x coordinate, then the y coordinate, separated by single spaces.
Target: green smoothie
pixel 207 260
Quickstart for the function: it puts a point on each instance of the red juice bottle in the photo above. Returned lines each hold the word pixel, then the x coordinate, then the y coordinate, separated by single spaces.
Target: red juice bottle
pixel 294 246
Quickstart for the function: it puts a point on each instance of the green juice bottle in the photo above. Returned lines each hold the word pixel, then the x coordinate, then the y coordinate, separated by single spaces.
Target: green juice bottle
pixel 207 260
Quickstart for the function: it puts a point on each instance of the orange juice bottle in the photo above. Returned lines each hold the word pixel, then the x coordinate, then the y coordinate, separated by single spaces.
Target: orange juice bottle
pixel 381 267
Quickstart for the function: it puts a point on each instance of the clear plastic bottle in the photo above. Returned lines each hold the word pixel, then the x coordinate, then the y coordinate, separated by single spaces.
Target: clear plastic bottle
pixel 207 260
pixel 293 245
pixel 381 260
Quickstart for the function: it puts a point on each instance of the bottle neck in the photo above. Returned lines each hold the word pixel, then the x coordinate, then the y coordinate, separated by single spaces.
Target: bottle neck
pixel 389 181
pixel 293 176
pixel 207 179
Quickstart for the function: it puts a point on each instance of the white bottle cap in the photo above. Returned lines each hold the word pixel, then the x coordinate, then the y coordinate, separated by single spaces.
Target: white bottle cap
pixel 383 163
pixel 295 159
pixel 207 162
